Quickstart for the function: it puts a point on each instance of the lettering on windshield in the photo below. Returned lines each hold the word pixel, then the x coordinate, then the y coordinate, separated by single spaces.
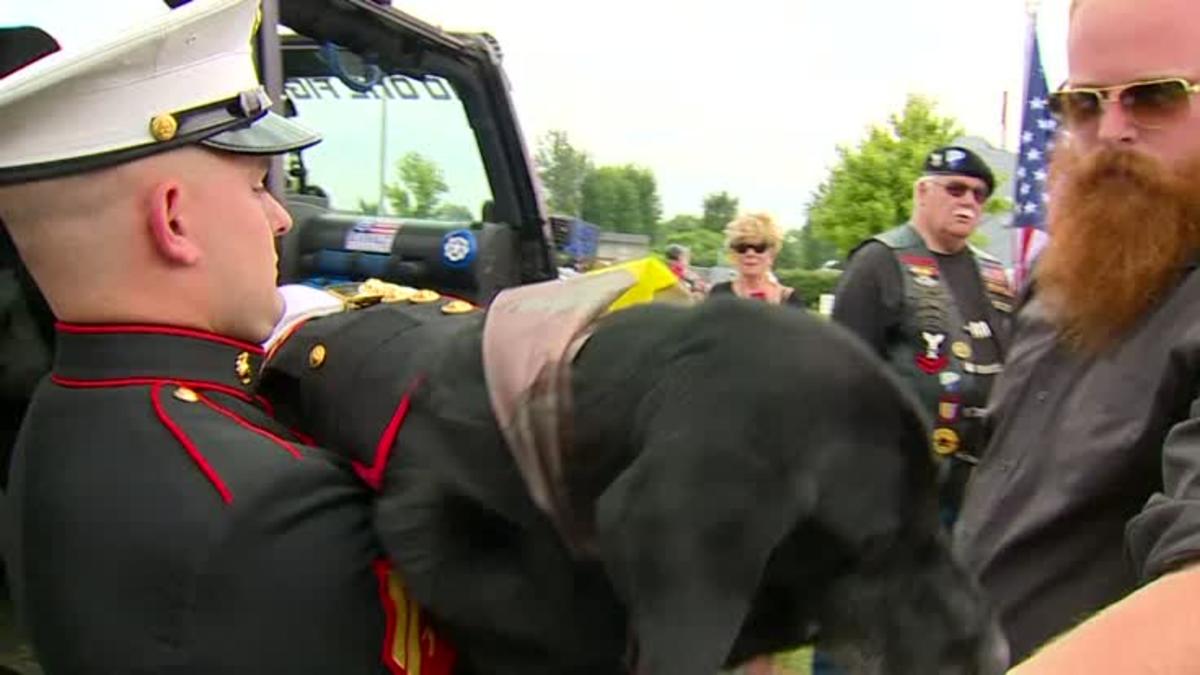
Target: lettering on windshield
pixel 392 87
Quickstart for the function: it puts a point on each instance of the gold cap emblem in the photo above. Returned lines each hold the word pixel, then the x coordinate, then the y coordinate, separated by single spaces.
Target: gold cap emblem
pixel 457 307
pixel 164 127
pixel 242 368
pixel 186 395
pixel 424 297
pixel 945 441
pixel 316 356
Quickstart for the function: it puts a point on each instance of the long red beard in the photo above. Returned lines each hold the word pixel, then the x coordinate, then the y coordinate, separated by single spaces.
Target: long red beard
pixel 1123 228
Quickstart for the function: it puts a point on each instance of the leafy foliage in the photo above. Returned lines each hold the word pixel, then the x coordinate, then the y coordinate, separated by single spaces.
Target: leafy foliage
pixel 810 284
pixel 870 188
pixel 419 192
pixel 622 199
pixel 707 247
pixel 719 209
pixel 562 168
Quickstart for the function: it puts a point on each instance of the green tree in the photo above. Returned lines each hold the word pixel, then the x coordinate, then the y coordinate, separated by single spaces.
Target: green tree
pixel 622 199
pixel 562 168
pixel 454 212
pixel 791 254
pixel 719 209
pixel 869 190
pixel 680 223
pixel 707 247
pixel 422 184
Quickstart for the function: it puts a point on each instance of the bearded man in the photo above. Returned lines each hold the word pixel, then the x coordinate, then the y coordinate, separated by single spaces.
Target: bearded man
pixel 1090 486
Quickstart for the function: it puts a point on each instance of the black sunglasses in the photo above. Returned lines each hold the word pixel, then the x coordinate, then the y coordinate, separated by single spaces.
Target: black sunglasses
pixel 1151 104
pixel 742 247
pixel 957 189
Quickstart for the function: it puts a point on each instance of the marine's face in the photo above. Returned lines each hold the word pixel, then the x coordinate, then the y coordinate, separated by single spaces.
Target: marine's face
pixel 1116 42
pixel 239 222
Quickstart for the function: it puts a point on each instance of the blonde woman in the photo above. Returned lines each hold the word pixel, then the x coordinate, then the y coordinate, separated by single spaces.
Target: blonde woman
pixel 753 240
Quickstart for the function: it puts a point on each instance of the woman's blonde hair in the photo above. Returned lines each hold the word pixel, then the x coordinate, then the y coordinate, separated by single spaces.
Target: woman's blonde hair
pixel 754 227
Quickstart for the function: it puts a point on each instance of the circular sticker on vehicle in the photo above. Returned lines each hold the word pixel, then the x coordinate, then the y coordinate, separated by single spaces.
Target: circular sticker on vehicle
pixel 458 248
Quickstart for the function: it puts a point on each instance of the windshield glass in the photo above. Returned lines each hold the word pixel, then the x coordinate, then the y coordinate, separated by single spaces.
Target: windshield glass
pixel 403 147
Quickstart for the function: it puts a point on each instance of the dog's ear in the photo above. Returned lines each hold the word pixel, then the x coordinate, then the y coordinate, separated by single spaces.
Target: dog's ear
pixel 686 532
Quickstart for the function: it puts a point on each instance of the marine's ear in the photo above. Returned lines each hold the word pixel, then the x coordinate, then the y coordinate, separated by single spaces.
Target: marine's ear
pixel 174 239
pixel 685 534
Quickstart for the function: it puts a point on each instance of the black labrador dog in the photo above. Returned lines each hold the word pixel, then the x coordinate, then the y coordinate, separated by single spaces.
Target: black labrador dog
pixel 742 479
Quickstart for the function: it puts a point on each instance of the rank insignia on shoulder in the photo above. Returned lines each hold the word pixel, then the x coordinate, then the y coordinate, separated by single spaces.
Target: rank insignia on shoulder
pixel 388 292
pixel 424 297
pixel 945 441
pixel 457 307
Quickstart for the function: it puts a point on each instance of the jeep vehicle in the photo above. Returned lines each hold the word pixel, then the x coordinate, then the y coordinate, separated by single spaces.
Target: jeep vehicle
pixel 423 177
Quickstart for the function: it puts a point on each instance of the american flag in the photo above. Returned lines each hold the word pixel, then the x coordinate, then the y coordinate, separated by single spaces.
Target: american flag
pixel 1038 127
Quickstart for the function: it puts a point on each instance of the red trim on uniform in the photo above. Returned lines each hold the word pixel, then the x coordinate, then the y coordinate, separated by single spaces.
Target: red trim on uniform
pixel 125 329
pixel 302 437
pixel 188 445
pixel 373 475
pixel 284 337
pixel 73 383
pixel 382 569
pixel 246 424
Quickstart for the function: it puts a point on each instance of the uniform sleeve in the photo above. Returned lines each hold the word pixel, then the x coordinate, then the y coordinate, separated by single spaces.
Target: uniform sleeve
pixel 867 299
pixel 1166 534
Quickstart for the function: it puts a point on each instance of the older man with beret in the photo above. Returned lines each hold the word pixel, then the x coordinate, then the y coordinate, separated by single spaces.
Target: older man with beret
pixel 936 308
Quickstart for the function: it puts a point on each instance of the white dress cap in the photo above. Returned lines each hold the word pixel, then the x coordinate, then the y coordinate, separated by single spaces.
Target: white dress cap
pixel 106 82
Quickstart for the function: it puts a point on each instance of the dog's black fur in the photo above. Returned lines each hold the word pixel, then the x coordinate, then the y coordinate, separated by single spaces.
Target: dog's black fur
pixel 756 478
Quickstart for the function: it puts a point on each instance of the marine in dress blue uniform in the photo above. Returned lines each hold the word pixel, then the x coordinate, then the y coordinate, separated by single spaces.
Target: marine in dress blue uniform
pixel 160 519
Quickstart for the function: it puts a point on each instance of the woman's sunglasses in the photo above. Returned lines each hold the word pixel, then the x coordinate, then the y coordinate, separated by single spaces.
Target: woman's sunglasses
pixel 1152 104
pixel 742 247
pixel 957 189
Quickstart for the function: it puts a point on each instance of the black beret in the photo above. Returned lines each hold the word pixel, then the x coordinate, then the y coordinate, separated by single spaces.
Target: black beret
pixel 954 160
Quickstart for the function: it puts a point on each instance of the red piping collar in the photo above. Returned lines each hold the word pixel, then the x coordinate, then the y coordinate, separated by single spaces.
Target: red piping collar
pixel 118 329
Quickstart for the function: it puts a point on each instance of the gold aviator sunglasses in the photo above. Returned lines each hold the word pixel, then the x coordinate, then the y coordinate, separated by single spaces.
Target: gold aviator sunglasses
pixel 1151 104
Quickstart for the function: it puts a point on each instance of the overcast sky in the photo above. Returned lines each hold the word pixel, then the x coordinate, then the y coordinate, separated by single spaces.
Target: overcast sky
pixel 751 96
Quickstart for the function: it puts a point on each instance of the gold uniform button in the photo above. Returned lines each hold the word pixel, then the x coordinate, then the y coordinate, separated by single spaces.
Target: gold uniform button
pixel 316 356
pixel 242 368
pixel 186 395
pixel 424 297
pixel 457 307
pixel 163 127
